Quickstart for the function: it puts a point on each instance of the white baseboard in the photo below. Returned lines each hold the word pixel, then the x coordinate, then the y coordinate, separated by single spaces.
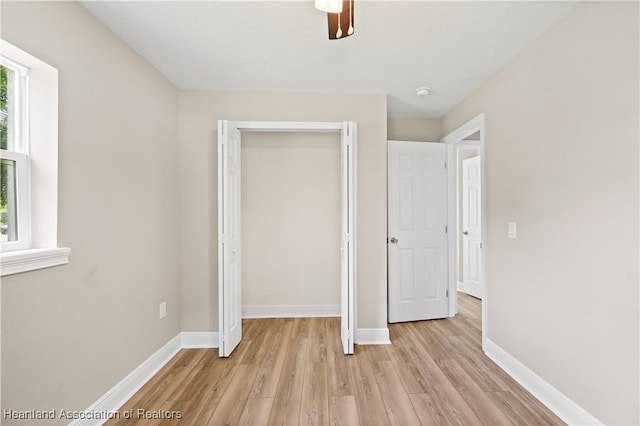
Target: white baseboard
pixel 372 336
pixel 291 311
pixel 199 339
pixel 127 387
pixel 561 405
pixel 470 290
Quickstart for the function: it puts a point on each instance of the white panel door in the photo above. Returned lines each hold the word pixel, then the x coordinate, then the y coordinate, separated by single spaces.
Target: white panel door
pixel 229 239
pixel 348 211
pixel 418 245
pixel 471 228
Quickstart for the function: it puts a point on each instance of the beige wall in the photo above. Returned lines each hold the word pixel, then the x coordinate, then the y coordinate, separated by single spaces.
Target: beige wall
pixel 70 333
pixel 414 129
pixel 199 112
pixel 290 219
pixel 562 161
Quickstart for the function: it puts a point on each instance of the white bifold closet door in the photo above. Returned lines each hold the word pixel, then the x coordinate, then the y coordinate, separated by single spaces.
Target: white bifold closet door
pixel 230 235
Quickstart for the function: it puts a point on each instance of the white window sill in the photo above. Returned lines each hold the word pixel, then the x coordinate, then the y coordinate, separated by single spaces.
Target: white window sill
pixel 15 262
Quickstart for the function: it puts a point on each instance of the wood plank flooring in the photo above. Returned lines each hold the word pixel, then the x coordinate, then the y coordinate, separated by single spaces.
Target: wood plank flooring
pixel 292 372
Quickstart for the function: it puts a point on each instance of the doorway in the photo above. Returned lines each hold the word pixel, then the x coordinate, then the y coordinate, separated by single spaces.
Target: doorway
pixel 230 224
pixel 467 219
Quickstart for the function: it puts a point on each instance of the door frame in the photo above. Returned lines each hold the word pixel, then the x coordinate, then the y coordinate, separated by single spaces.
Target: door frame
pixel 455 140
pixel 348 157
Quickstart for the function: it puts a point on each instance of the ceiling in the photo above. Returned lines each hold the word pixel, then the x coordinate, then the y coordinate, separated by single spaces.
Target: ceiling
pixel 398 46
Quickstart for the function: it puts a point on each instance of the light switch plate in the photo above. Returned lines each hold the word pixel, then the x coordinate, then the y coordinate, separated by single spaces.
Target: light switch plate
pixel 513 230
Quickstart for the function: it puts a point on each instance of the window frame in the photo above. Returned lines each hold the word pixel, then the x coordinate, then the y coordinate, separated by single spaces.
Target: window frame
pixel 18 152
pixel 40 175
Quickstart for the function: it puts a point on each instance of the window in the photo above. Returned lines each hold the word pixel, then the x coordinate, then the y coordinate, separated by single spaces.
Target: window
pixel 15 229
pixel 28 163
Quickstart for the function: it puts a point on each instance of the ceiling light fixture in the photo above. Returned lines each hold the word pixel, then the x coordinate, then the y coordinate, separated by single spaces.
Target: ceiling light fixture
pixel 329 6
pixel 340 23
pixel 423 91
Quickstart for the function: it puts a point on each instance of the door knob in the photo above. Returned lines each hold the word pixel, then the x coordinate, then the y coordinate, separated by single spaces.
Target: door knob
pixel 393 240
pixel 466 232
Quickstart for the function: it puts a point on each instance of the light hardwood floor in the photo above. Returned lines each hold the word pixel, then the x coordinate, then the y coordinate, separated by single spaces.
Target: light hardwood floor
pixel 292 371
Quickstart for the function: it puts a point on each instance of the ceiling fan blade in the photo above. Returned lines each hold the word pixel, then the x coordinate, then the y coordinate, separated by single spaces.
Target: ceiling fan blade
pixel 345 20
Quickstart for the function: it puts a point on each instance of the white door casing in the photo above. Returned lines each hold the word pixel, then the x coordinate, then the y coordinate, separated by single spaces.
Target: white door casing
pixel 418 244
pixel 229 238
pixel 471 228
pixel 229 224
